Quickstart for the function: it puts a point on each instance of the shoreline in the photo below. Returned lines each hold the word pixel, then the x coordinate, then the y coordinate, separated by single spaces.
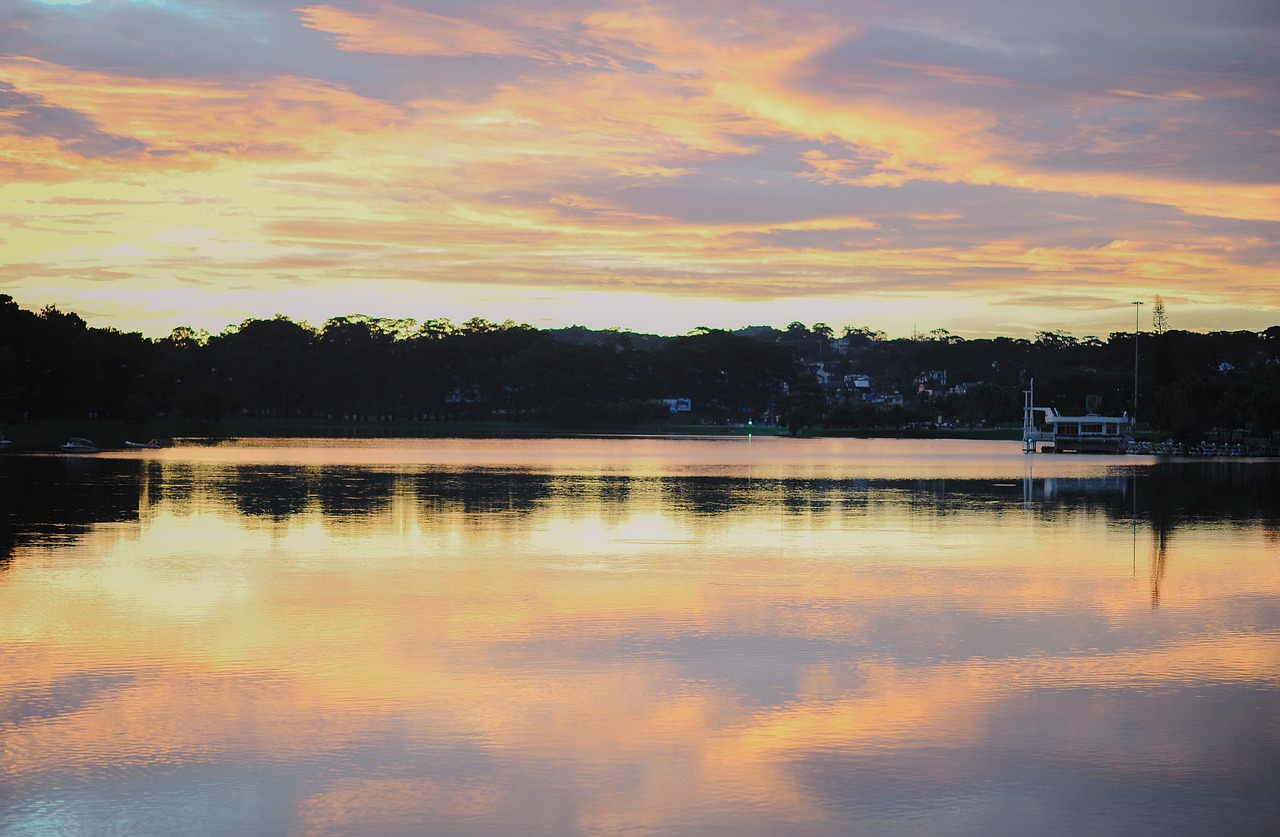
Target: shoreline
pixel 43 437
pixel 48 435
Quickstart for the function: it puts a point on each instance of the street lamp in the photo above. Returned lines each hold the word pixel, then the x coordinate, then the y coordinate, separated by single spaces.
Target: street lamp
pixel 1137 307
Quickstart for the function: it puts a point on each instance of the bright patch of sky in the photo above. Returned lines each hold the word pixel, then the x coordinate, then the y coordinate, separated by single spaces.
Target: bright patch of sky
pixel 959 164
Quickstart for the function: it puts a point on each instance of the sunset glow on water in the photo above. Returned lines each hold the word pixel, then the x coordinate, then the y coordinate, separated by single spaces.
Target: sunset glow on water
pixel 637 636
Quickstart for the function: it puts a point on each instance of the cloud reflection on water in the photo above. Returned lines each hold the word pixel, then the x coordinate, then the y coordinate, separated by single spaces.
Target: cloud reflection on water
pixel 564 652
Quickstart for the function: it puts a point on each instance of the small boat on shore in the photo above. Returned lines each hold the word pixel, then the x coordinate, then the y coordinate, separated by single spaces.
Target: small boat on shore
pixel 154 444
pixel 78 444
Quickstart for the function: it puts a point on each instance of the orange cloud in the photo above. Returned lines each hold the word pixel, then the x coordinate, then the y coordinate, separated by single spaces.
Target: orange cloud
pixel 183 122
pixel 720 153
pixel 390 29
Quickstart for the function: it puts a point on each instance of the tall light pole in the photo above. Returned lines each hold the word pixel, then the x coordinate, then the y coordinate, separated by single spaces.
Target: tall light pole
pixel 1137 307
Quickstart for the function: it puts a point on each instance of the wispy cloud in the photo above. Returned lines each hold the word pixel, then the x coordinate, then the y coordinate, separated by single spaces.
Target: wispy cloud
pixel 821 151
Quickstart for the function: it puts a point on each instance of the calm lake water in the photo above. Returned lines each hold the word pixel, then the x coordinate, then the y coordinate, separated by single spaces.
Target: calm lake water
pixel 638 637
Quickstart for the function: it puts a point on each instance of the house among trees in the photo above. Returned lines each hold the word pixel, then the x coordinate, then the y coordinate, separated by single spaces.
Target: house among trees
pixel 54 366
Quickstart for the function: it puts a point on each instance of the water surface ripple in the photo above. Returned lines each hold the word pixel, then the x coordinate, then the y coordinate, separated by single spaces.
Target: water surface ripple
pixel 637 636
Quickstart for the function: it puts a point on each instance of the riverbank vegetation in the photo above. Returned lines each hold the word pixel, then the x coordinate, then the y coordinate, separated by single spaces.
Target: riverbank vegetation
pixel 280 375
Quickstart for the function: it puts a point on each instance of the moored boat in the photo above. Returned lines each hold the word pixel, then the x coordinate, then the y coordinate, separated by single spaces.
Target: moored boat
pixel 78 444
pixel 154 444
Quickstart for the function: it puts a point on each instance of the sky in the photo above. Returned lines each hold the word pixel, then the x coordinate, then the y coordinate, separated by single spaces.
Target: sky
pixel 984 166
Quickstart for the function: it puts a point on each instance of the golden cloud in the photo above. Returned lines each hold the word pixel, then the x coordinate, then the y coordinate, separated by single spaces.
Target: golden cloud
pixel 390 29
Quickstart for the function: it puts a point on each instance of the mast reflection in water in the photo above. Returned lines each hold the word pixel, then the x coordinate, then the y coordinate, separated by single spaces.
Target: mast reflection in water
pixel 674 636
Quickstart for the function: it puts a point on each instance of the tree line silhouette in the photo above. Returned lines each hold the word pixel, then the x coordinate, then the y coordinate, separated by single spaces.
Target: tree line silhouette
pixel 54 366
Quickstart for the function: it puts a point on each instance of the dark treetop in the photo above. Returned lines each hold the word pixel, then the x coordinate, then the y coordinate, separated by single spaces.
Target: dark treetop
pixel 54 366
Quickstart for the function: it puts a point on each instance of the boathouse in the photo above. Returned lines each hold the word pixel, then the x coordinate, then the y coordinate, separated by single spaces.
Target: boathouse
pixel 1088 433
